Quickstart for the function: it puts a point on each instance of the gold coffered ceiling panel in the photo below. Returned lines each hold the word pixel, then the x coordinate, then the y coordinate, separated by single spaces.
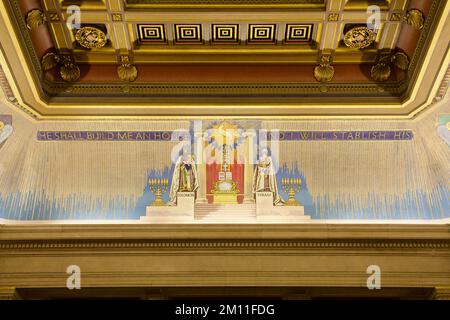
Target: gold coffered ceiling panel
pixel 216 4
pixel 234 58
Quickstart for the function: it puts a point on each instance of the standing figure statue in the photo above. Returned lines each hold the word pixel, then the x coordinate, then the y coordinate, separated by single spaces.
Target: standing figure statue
pixel 184 177
pixel 264 178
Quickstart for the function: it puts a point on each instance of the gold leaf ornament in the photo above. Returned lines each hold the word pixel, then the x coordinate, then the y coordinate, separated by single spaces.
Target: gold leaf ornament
pixel 49 61
pixel 359 38
pixel 400 60
pixel 126 71
pixel 381 72
pixel 415 19
pixel 69 71
pixel 324 72
pixel 91 37
pixel 35 18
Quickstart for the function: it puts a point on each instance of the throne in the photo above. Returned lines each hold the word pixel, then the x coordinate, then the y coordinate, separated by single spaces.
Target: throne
pixel 225 190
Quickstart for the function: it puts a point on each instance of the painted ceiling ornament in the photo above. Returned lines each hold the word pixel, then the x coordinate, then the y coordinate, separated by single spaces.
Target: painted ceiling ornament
pixel 382 70
pixel 324 72
pixel 359 38
pixel 415 18
pixel 126 71
pixel 91 37
pixel 35 18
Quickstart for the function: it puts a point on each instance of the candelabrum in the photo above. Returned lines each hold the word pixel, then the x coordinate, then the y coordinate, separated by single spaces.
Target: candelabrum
pixel 291 186
pixel 158 187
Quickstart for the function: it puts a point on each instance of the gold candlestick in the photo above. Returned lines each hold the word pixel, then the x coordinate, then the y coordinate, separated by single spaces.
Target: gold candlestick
pixel 158 187
pixel 291 186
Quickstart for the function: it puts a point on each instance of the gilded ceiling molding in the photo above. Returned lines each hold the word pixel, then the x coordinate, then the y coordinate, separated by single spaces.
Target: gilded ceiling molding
pixel 213 89
pixel 68 69
pixel 415 18
pixel 35 18
pixel 382 70
pixel 126 71
pixel 9 94
pixel 418 54
pixel 444 87
pixel 224 3
pixel 324 72
pixel 4 83
pixel 143 244
pixel 193 2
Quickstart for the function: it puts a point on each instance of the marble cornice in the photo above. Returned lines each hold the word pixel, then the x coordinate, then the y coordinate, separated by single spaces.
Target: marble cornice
pixel 265 237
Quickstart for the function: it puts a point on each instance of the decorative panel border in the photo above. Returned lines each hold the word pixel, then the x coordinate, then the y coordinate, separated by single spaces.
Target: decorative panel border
pixel 261 33
pixel 188 33
pixel 299 33
pixel 225 33
pixel 151 33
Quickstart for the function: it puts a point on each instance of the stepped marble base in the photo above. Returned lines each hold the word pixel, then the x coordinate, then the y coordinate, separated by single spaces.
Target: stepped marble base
pixel 267 212
pixel 263 211
pixel 183 212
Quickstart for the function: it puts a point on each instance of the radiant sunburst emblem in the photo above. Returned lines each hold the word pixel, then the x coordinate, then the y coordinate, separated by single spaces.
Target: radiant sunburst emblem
pixel 359 38
pixel 90 37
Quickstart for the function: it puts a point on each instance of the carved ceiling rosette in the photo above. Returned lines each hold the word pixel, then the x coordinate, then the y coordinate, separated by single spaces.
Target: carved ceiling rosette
pixel 91 37
pixel 359 38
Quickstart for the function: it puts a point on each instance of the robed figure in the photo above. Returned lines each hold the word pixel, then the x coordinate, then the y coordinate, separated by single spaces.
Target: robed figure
pixel 264 178
pixel 184 177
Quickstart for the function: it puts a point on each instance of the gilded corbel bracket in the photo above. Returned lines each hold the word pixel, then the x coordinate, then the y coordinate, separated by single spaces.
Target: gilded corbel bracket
pixel 127 71
pixel 382 70
pixel 35 18
pixel 68 69
pixel 324 72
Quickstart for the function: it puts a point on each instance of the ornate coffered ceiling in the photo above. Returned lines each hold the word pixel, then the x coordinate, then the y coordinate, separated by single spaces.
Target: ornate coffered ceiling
pixel 137 58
